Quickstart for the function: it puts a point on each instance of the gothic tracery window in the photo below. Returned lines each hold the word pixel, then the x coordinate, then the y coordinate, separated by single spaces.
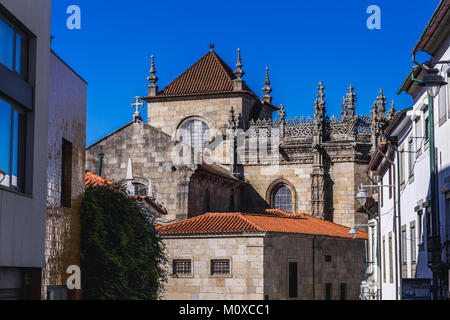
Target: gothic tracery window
pixel 282 198
pixel 195 133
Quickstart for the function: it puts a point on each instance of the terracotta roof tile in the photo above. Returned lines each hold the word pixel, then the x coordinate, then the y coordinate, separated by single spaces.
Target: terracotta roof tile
pixel 208 75
pixel 152 203
pixel 94 180
pixel 277 221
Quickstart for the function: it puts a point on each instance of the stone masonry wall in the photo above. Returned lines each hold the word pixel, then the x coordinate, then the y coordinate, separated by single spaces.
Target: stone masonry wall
pixel 168 115
pixel 151 153
pixel 244 283
pixel 346 266
pixel 223 196
pixel 67 119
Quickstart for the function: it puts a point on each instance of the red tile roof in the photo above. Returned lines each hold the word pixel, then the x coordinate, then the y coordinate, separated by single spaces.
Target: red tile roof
pixel 277 221
pixel 152 203
pixel 92 179
pixel 209 75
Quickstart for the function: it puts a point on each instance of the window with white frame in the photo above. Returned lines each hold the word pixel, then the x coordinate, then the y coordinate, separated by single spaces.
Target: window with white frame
pixel 419 133
pixel 413 242
pixel 443 92
pixel 401 165
pixel 411 157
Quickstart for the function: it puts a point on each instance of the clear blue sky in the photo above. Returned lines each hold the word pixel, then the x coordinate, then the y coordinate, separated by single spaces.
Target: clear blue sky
pixel 302 42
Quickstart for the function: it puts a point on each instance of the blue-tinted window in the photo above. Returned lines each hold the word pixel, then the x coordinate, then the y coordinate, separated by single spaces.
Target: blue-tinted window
pixel 5 143
pixel 283 199
pixel 6 44
pixel 13 48
pixel 12 146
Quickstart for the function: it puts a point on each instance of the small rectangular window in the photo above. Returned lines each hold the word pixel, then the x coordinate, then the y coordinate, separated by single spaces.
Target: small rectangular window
pixel 293 282
pixel 182 266
pixel 220 266
pixel 327 258
pixel 413 243
pixel 14 46
pixel 390 182
pixel 404 246
pixel 411 158
pixel 402 165
pixel 328 291
pixel 426 124
pixel 343 291
pixel 443 104
pixel 66 174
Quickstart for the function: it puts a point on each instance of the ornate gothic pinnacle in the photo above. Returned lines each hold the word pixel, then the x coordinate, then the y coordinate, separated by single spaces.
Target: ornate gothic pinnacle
pixel 391 113
pixel 319 105
pixel 267 90
pixel 281 113
pixel 239 73
pixel 321 96
pixel 351 99
pixel 152 79
pixel 344 107
pixel 381 104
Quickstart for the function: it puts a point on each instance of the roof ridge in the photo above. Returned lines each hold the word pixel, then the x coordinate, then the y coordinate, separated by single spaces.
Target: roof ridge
pixel 258 227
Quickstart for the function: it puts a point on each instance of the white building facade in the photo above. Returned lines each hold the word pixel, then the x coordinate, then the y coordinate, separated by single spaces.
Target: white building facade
pixel 399 241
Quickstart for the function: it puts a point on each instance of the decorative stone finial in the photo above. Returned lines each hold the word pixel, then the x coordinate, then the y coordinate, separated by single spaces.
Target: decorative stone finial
pixel 152 79
pixel 239 73
pixel 211 47
pixel 281 113
pixel 344 107
pixel 391 113
pixel 381 105
pixel 152 88
pixel 319 106
pixel 267 90
pixel 351 99
pixel 137 104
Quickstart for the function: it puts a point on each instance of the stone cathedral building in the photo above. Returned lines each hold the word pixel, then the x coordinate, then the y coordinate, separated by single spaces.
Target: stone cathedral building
pixel 244 154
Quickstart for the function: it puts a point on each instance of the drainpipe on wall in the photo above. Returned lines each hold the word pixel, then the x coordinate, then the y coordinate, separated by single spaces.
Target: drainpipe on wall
pixel 100 163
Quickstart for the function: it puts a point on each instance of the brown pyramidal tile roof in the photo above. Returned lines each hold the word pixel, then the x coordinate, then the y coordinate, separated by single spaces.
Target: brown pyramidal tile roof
pixel 209 75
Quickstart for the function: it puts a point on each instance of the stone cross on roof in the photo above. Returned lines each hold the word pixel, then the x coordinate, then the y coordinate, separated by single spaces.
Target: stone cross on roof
pixel 137 104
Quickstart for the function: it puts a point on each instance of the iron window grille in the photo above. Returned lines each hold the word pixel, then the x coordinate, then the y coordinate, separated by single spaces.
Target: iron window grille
pixel 182 266
pixel 220 266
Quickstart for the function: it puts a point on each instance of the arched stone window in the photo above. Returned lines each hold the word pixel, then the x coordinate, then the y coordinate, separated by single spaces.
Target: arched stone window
pixel 282 198
pixel 195 133
pixel 281 195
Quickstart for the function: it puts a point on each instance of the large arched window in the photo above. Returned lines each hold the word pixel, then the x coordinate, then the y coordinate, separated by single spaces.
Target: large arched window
pixel 195 133
pixel 282 198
